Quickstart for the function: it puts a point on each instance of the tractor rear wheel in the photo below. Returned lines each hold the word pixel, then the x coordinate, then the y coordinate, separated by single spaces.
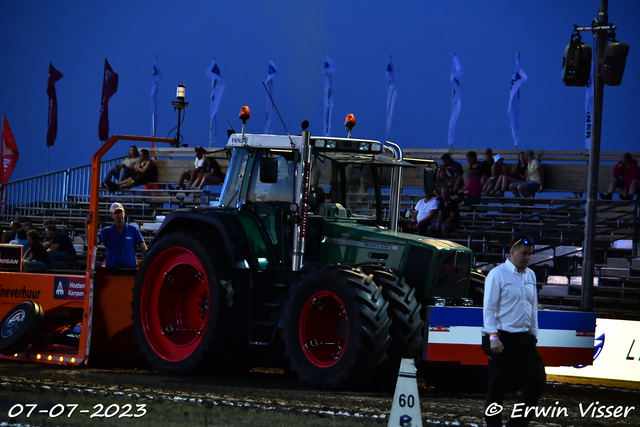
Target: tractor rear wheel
pixel 19 325
pixel 336 326
pixel 407 325
pixel 175 304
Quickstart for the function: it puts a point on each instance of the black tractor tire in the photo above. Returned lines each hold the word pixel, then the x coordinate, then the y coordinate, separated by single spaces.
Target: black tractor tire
pixel 407 323
pixel 336 327
pixel 19 326
pixel 175 304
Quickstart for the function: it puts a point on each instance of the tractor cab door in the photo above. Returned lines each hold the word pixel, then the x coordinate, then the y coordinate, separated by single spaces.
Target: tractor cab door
pixel 271 193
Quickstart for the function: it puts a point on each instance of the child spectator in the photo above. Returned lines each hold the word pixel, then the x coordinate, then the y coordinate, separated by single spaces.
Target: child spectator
pixel 36 257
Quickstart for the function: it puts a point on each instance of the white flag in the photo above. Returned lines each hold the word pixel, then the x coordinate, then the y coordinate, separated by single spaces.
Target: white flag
pixel 456 72
pixel 271 74
pixel 391 97
pixel 157 76
pixel 589 110
pixel 329 68
pixel 519 77
pixel 217 89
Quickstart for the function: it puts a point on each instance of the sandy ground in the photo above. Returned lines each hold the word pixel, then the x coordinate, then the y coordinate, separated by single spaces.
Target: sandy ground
pixel 265 389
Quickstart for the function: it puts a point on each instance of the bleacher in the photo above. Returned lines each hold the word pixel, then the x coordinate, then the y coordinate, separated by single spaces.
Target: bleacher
pixel 554 218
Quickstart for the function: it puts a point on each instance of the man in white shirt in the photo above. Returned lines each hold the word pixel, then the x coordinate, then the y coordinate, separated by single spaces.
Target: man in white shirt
pixel 424 213
pixel 510 313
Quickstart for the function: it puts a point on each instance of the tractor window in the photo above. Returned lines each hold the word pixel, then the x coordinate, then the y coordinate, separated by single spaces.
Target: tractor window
pixel 361 194
pixel 233 180
pixel 281 191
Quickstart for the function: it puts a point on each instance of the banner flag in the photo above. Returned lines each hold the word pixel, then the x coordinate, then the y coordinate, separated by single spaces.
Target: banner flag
pixel 271 74
pixel 52 123
pixel 327 70
pixel 519 77
pixel 109 87
pixel 391 97
pixel 157 77
pixel 589 110
pixel 9 154
pixel 456 72
pixel 217 89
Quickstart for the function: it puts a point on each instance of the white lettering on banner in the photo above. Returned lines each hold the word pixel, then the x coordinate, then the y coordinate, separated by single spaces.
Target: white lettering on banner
pixel 9 261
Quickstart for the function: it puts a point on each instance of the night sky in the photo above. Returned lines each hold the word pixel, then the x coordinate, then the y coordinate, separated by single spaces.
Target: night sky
pixel 422 37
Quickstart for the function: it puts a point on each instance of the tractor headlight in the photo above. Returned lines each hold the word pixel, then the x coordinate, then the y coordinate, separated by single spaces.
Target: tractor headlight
pixel 364 146
pixel 319 143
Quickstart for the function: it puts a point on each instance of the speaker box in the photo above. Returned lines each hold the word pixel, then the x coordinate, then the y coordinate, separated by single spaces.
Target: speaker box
pixel 576 64
pixel 613 63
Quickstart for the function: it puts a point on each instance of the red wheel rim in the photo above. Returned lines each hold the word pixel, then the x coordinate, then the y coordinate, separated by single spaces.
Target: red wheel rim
pixel 324 329
pixel 175 303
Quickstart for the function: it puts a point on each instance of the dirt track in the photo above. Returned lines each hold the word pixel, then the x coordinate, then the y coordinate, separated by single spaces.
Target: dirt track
pixel 269 391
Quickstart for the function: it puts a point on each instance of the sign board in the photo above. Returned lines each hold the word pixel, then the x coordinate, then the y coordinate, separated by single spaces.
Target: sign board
pixel 10 257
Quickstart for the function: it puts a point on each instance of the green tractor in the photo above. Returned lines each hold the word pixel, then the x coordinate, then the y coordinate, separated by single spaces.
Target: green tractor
pixel 298 259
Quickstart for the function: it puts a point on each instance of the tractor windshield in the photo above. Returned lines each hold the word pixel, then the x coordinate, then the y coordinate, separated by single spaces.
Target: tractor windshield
pixel 233 180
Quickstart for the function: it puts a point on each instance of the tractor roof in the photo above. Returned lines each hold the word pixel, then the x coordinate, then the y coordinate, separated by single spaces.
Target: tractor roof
pixel 283 142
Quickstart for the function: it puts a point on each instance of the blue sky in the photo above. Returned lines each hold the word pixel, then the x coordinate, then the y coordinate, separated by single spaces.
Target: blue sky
pixel 422 36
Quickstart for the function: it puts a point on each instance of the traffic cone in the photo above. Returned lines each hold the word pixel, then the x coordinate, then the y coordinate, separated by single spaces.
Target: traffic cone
pixel 405 411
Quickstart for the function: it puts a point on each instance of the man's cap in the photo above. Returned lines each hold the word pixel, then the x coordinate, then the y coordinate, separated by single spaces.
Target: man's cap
pixel 200 149
pixel 115 206
pixel 497 157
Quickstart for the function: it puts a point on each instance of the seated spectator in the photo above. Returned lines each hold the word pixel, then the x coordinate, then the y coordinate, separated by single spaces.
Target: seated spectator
pixel 454 172
pixel 21 240
pixel 192 174
pixel 46 241
pixel 145 172
pixel 486 165
pixel 211 174
pixel 61 248
pixel 442 181
pixel 626 177
pixel 8 236
pixel 28 226
pixel 448 216
pixel 473 188
pixel 533 181
pixel 498 169
pixel 124 170
pixel 425 212
pixel 517 174
pixel 36 257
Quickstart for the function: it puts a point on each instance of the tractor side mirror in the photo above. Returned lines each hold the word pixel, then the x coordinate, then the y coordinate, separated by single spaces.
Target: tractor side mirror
pixel 269 170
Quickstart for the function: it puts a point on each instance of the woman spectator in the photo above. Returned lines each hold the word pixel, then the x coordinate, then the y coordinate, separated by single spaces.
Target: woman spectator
pixel 210 175
pixel 146 171
pixel 36 257
pixel 498 169
pixel 518 174
pixel 534 178
pixel 124 170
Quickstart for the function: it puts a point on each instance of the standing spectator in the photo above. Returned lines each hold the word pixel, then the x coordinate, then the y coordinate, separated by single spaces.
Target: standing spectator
pixel 192 174
pixel 120 239
pixel 36 257
pixel 534 178
pixel 626 176
pixel 448 216
pixel 425 212
pixel 21 240
pixel 510 313
pixel 61 247
pixel 454 171
pixel 210 175
pixel 124 170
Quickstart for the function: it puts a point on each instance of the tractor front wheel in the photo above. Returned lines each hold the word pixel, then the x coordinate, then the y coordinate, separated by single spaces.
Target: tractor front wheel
pixel 19 325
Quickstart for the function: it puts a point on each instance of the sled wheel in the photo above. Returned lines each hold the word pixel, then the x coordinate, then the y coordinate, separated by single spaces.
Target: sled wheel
pixel 175 304
pixel 19 325
pixel 336 326
pixel 407 327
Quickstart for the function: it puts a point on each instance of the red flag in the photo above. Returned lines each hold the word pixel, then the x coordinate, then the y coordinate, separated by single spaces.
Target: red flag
pixel 109 87
pixel 52 124
pixel 9 152
pixel 9 156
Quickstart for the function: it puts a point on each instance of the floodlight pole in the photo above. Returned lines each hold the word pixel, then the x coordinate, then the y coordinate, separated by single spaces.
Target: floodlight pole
pixel 588 247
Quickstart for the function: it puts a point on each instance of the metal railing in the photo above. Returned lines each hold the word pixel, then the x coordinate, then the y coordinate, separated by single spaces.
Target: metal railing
pixel 28 196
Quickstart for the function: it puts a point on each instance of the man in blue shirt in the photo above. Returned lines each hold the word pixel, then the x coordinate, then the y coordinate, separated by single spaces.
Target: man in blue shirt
pixel 120 239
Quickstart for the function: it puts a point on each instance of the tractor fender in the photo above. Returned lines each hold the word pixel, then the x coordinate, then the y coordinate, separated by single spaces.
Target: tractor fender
pixel 225 225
